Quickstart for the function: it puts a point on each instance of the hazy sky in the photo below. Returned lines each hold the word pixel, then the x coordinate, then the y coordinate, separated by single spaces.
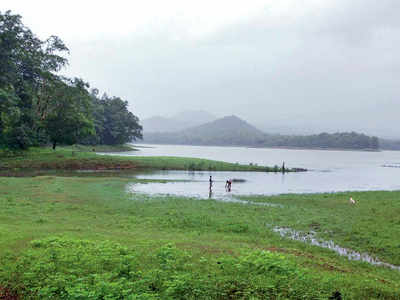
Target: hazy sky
pixel 294 64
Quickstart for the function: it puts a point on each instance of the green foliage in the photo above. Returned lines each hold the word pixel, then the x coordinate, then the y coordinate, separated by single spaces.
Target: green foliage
pixel 67 118
pixel 187 248
pixel 38 106
pixel 114 123
pixel 71 158
pixel 26 63
pixel 14 133
pixel 64 268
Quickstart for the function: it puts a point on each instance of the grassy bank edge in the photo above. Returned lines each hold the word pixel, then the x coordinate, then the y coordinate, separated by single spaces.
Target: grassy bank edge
pixel 101 148
pixel 68 158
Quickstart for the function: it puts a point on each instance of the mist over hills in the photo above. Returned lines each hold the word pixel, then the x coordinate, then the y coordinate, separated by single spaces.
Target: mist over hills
pixel 233 131
pixel 180 121
pixel 229 130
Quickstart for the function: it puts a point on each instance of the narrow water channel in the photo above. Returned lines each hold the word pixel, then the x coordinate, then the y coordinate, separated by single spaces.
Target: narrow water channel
pixel 310 238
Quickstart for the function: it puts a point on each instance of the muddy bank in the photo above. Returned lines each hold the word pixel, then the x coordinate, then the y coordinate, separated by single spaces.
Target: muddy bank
pixel 67 164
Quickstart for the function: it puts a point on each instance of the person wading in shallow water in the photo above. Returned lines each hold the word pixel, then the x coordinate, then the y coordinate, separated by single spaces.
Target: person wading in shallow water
pixel 228 185
pixel 210 187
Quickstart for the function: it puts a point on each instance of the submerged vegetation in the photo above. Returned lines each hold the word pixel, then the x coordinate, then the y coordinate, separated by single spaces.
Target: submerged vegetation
pixel 80 238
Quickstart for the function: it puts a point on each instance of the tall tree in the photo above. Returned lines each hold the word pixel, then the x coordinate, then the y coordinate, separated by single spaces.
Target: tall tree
pixel 26 63
pixel 119 125
pixel 37 105
pixel 67 117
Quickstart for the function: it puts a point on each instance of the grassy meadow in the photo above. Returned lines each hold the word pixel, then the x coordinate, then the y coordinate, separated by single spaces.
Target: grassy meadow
pixel 88 238
pixel 79 157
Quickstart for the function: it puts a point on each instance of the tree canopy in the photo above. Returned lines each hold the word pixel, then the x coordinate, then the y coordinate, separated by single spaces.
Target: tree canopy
pixel 38 106
pixel 117 125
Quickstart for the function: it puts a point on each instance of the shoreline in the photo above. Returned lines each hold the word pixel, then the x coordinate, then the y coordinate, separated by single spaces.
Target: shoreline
pixel 68 158
pixel 270 147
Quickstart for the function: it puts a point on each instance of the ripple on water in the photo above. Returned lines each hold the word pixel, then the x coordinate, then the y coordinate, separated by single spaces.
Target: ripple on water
pixel 310 238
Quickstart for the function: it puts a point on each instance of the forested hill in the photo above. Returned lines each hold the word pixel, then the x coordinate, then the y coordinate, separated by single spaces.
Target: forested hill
pixel 225 131
pixel 233 131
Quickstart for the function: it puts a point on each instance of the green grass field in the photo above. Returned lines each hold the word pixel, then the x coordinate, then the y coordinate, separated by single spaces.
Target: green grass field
pixel 77 157
pixel 87 238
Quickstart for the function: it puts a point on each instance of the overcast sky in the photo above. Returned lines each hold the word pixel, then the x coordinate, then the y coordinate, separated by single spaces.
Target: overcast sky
pixel 307 65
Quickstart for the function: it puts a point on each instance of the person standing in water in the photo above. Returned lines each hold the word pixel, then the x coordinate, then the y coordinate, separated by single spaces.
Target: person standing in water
pixel 210 187
pixel 228 185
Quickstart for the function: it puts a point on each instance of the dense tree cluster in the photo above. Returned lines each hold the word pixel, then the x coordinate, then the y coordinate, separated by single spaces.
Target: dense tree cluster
pixel 340 140
pixel 38 106
pixel 114 124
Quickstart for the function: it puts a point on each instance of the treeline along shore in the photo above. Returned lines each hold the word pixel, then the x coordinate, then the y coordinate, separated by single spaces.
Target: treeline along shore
pixel 233 131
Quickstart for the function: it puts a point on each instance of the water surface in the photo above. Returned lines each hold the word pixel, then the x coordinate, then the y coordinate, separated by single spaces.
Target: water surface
pixel 329 171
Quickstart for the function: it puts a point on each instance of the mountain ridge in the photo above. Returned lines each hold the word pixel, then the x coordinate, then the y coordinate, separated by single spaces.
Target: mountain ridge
pixel 233 131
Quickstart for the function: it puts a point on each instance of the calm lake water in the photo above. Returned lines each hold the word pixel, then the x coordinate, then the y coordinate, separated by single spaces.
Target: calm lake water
pixel 329 171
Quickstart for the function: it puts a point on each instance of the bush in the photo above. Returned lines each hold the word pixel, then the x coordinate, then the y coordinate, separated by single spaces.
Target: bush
pixel 62 268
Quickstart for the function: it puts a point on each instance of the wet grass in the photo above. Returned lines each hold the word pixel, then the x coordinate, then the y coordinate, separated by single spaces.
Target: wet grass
pixel 69 158
pixel 216 236
pixel 370 225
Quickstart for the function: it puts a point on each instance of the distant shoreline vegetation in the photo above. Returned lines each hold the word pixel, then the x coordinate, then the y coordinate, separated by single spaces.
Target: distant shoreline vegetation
pixel 325 141
pixel 233 131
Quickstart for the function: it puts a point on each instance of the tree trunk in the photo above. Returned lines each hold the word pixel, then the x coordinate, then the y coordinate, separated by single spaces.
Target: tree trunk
pixel 54 145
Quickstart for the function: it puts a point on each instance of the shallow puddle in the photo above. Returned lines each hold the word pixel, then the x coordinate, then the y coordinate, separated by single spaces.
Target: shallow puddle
pixel 162 190
pixel 310 238
pixel 196 184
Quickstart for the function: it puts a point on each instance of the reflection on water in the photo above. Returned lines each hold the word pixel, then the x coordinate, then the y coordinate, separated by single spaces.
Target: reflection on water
pixel 195 184
pixel 330 171
pixel 310 238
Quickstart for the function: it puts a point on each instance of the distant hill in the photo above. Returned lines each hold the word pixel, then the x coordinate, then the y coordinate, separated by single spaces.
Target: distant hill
pixel 180 121
pixel 233 131
pixel 229 130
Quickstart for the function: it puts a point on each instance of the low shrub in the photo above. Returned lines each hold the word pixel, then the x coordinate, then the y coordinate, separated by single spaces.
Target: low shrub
pixel 63 268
